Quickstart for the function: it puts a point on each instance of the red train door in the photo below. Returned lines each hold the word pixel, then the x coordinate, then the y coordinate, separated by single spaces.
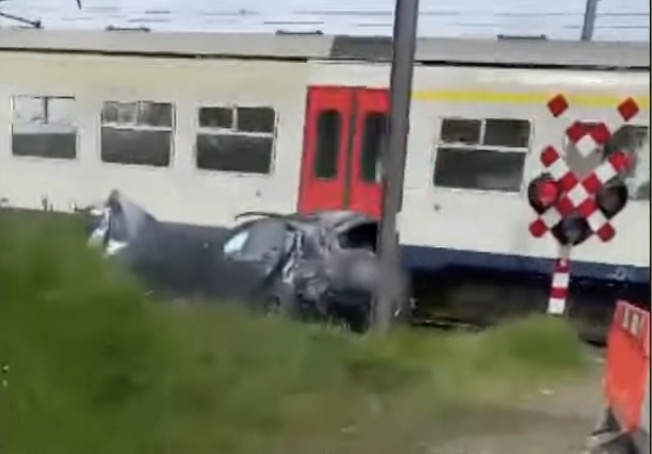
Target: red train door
pixel 345 129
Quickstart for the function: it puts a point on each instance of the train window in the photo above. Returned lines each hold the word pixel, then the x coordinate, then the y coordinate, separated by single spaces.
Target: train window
pixel 137 133
pixel 234 153
pixel 216 117
pixel 459 130
pixel 482 154
pixel 236 139
pixel 507 133
pixel 136 147
pixel 44 127
pixel 119 112
pixel 634 139
pixel 375 132
pixel 154 114
pixel 470 168
pixel 255 119
pixel 142 113
pixel 329 131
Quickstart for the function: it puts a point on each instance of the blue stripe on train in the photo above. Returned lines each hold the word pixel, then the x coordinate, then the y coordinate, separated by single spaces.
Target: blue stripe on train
pixel 440 259
pixel 458 261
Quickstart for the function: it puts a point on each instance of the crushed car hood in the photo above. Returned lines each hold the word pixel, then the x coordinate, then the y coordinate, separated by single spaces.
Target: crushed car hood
pixel 181 259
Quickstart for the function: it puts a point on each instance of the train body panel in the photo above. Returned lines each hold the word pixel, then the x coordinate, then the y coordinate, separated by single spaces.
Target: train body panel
pixel 455 219
pixel 519 95
pixel 455 214
pixel 175 193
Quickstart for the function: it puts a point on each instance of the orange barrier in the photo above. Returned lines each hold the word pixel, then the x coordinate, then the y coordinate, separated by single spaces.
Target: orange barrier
pixel 628 366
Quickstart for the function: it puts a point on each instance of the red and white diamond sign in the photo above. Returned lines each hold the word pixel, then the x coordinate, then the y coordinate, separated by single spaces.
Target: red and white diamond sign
pixel 579 195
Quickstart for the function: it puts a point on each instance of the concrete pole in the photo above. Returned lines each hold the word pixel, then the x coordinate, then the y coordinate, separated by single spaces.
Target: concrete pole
pixel 406 16
pixel 590 14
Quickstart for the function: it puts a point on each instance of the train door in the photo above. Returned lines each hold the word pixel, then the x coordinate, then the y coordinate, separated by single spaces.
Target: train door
pixel 345 128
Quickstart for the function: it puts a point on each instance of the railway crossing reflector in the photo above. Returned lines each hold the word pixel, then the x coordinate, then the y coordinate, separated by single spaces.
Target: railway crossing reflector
pixel 578 198
pixel 573 207
pixel 543 194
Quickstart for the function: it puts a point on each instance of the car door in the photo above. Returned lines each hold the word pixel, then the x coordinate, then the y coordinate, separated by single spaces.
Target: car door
pixel 252 255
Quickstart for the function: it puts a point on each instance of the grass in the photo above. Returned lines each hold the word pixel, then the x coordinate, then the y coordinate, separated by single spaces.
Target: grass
pixel 96 367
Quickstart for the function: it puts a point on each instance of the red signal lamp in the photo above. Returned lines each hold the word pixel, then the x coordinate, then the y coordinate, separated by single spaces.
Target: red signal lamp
pixel 547 192
pixel 543 192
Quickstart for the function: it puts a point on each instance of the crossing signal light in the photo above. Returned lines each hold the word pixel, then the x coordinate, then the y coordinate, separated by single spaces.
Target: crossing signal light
pixel 612 197
pixel 543 192
pixel 572 230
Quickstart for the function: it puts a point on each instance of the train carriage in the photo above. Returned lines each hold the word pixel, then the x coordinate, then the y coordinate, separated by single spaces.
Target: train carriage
pixel 200 127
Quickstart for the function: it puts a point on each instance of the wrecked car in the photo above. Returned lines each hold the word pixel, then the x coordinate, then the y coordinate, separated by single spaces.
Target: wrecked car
pixel 318 266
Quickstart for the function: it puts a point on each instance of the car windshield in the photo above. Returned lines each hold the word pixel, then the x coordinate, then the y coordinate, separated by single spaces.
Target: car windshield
pixel 362 236
pixel 261 240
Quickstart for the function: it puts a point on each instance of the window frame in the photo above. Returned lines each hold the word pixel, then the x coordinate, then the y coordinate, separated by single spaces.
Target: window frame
pixel 233 131
pixel 631 199
pixel 172 129
pixel 74 123
pixel 479 146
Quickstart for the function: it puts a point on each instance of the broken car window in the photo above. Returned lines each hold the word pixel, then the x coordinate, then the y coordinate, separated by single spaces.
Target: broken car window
pixel 261 240
pixel 360 237
pixel 236 243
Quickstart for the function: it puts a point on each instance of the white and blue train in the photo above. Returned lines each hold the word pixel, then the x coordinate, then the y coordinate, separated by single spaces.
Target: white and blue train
pixel 200 127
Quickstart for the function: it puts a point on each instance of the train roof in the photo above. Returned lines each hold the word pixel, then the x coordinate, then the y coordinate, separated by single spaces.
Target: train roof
pixel 302 47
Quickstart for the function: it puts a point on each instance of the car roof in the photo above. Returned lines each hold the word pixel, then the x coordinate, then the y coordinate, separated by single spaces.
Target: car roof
pixel 340 219
pixel 337 220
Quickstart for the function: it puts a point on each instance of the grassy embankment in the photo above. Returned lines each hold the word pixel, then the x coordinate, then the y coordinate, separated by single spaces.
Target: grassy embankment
pixel 95 367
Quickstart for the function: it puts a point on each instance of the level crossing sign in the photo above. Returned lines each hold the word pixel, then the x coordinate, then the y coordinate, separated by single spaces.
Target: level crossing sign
pixel 573 208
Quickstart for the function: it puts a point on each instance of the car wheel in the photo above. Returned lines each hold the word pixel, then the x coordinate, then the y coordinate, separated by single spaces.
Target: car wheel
pixel 359 322
pixel 280 301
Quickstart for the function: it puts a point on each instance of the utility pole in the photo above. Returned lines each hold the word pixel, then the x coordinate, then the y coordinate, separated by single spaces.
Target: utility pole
pixel 406 15
pixel 590 14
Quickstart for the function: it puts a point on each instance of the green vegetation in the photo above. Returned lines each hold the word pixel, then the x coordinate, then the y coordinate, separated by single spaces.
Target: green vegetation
pixel 96 367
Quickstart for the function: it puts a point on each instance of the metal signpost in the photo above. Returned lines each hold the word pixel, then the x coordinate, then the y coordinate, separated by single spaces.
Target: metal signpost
pixel 590 14
pixel 406 16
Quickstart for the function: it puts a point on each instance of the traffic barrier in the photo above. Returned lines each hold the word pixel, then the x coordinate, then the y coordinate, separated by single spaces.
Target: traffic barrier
pixel 627 375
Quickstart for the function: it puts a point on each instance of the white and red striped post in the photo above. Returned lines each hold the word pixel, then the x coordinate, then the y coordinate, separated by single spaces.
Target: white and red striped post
pixel 560 282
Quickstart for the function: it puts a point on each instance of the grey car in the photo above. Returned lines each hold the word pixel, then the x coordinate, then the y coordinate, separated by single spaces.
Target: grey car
pixel 319 266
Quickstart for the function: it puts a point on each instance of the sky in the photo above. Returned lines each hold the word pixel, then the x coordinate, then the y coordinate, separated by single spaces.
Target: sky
pixel 618 20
